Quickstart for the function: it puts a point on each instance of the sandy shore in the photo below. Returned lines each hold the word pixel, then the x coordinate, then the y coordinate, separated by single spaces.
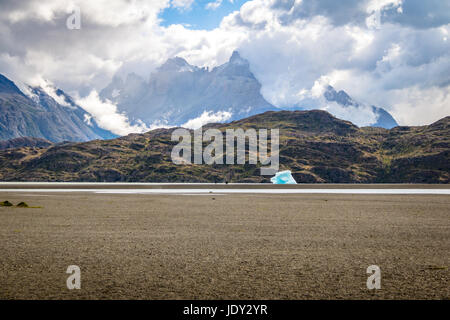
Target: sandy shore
pixel 234 246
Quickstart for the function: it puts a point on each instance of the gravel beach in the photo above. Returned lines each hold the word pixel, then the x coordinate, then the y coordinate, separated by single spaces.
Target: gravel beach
pixel 224 246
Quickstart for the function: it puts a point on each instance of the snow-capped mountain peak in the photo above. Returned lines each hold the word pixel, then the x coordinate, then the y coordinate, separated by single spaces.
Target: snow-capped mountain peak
pixel 178 92
pixel 382 117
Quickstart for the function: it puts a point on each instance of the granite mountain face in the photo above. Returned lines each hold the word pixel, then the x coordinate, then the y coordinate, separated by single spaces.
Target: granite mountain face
pixel 178 92
pixel 37 114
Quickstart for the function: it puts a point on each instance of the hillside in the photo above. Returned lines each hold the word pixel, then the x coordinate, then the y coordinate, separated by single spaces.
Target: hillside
pixel 24 142
pixel 314 145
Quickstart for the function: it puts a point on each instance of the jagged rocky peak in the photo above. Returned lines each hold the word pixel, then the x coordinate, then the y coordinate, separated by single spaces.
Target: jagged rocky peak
pixel 235 67
pixel 177 64
pixel 384 118
pixel 237 59
pixel 340 97
pixel 177 92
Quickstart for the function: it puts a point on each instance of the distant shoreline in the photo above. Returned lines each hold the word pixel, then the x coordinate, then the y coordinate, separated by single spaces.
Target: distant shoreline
pixel 155 185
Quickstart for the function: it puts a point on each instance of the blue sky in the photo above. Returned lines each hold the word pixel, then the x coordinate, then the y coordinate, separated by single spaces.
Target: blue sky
pixel 198 17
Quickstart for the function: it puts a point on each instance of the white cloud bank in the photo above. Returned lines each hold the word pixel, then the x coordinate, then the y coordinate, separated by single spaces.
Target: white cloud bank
pixel 207 117
pixel 108 117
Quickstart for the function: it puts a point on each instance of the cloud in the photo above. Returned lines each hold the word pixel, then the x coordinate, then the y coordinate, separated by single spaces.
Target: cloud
pixel 358 113
pixel 362 115
pixel 420 14
pixel 289 52
pixel 420 106
pixel 402 64
pixel 50 89
pixel 380 5
pixel 106 115
pixel 207 117
pixel 182 4
pixel 213 5
pixel 101 12
pixel 375 9
pixel 337 12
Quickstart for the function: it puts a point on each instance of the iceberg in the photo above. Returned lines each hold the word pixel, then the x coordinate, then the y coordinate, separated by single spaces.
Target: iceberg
pixel 283 177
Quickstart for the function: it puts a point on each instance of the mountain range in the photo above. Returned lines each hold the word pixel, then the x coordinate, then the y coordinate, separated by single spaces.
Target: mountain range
pixel 177 92
pixel 314 145
pixel 37 114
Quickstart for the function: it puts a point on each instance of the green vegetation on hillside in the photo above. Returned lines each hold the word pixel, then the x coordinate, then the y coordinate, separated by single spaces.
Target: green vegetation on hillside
pixel 314 145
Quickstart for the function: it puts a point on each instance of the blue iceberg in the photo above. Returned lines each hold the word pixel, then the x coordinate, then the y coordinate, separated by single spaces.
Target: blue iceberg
pixel 283 177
